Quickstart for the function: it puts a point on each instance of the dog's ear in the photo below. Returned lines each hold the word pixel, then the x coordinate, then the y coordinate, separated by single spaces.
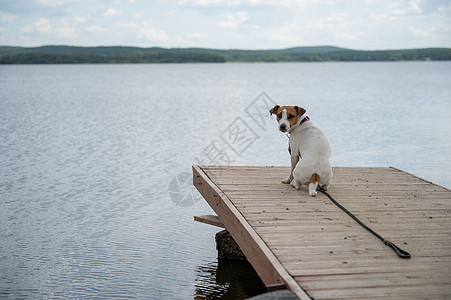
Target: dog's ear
pixel 274 109
pixel 299 110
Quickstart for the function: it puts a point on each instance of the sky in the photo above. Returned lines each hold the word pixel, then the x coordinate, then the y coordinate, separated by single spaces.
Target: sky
pixel 227 24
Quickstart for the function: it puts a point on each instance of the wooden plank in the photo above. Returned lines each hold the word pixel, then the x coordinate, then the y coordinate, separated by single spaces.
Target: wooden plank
pixel 426 266
pixel 370 280
pixel 383 292
pixel 209 219
pixel 430 182
pixel 262 259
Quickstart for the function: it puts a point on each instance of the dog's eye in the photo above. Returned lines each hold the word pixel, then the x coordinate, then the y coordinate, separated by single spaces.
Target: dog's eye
pixel 279 116
pixel 290 116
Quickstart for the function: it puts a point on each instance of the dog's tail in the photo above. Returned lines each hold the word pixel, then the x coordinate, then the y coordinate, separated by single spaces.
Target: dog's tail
pixel 314 179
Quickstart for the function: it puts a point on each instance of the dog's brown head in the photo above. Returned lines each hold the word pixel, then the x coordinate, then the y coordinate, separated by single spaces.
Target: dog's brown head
pixel 287 116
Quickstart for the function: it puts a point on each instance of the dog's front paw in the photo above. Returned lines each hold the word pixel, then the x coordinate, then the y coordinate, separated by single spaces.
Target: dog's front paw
pixel 296 184
pixel 287 180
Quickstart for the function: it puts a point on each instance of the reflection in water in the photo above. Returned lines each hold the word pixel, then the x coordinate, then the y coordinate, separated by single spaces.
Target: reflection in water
pixel 227 279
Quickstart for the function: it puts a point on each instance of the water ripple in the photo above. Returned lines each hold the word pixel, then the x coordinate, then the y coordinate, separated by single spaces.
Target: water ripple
pixel 86 161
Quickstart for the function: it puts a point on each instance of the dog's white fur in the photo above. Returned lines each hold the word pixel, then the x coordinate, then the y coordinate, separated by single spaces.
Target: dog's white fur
pixel 310 153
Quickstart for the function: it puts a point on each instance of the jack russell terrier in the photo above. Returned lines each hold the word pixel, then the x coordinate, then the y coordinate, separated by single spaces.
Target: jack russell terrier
pixel 309 149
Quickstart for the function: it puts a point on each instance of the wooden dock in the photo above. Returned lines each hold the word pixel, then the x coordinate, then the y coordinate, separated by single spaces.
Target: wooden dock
pixel 315 250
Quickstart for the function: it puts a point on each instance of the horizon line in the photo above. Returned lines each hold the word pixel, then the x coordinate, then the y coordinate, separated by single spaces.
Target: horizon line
pixel 224 49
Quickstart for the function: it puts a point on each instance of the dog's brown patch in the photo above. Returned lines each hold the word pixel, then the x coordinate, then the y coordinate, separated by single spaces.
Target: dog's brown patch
pixel 314 178
pixel 274 110
pixel 293 113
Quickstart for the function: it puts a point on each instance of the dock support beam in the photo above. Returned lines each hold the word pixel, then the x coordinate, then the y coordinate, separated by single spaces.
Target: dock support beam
pixel 227 247
pixel 225 244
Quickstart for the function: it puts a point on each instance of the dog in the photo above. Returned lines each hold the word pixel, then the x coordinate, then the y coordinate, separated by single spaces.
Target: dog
pixel 309 149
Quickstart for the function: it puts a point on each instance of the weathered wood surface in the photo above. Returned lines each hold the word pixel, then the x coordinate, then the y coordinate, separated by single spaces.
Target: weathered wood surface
pixel 209 219
pixel 318 251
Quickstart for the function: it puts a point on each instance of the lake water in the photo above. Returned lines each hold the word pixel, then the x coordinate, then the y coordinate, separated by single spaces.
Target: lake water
pixel 94 162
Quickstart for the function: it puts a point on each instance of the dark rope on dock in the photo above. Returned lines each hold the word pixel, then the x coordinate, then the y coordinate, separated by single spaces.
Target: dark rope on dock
pixel 401 253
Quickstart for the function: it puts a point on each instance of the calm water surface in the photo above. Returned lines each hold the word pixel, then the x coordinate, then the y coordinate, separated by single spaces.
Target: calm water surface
pixel 93 161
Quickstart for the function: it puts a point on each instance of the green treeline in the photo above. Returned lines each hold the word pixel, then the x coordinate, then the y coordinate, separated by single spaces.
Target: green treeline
pixel 80 55
pixel 395 55
pixel 44 58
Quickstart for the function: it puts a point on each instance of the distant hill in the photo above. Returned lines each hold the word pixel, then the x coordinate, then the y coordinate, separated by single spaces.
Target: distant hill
pixel 318 49
pixel 123 54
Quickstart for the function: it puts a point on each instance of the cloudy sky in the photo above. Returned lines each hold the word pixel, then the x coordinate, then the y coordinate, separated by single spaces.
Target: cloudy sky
pixel 244 24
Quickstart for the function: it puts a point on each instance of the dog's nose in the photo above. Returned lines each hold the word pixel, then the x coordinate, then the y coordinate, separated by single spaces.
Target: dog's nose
pixel 283 127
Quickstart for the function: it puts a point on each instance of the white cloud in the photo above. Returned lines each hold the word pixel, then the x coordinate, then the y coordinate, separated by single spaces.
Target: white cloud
pixel 233 20
pixel 7 17
pixel 330 22
pixel 66 32
pixel 54 3
pixel 379 17
pixel 252 3
pixel 111 12
pixel 42 26
pixel 344 36
pixel 419 32
pixel 127 25
pixel 148 32
pixel 210 3
pixel 145 31
pixel 95 29
pixel 197 36
pixel 79 19
pixel 396 10
pixel 428 30
pixel 414 6
pixel 288 33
